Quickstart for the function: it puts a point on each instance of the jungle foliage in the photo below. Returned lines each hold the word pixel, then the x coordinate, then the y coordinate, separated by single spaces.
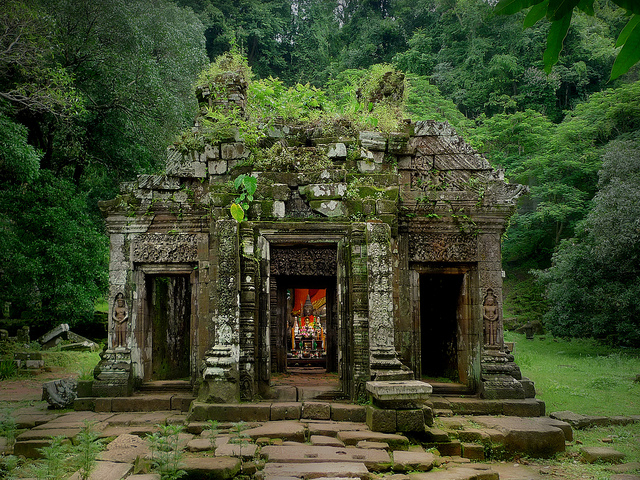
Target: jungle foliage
pixel 92 92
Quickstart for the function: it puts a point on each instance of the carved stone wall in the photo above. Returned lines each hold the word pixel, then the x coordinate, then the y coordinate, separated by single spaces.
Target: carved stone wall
pixel 165 248
pixel 442 247
pixel 307 261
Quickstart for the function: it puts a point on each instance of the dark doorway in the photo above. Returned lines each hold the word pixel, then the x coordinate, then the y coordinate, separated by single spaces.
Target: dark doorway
pixel 169 298
pixel 440 297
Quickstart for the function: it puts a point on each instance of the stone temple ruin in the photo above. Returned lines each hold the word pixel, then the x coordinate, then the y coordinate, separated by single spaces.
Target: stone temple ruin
pixel 376 256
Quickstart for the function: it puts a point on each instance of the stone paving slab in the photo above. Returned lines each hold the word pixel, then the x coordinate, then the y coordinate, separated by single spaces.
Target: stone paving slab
pixel 395 441
pixel 31 420
pixel 376 460
pixel 125 449
pixel 602 454
pixel 369 444
pixel 47 433
pixel 78 419
pixel 417 461
pixel 140 431
pixel 285 429
pixel 457 473
pixel 108 471
pixel 250 412
pixel 323 440
pixel 331 429
pixel 580 421
pixel 527 435
pixel 273 471
pixel 247 451
pixel 218 468
pixel 29 448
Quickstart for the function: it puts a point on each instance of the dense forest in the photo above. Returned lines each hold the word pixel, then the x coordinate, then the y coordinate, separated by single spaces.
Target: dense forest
pixel 93 91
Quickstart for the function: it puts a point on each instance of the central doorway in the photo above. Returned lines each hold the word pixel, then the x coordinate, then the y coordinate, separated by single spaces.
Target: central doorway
pixel 169 307
pixel 440 310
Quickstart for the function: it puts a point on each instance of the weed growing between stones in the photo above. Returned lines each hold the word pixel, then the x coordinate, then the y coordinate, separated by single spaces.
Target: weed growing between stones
pixel 86 450
pixel 8 427
pixel 241 438
pixel 53 464
pixel 212 426
pixel 165 451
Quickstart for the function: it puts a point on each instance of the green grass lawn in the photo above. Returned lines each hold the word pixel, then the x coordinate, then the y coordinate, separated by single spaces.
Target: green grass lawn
pixel 580 375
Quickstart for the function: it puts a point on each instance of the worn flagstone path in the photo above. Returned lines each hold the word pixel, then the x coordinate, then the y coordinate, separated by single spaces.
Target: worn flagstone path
pixel 303 448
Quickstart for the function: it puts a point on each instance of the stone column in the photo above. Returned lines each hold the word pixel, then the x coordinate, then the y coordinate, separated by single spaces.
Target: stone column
pixel 383 362
pixel 220 372
pixel 248 299
pixel 500 374
pixel 358 327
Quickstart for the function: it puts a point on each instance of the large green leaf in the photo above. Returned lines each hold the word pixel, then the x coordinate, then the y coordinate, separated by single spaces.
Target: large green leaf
pixel 587 7
pixel 536 13
pixel 631 5
pixel 557 33
pixel 560 8
pixel 629 55
pixel 626 31
pixel 237 212
pixel 509 7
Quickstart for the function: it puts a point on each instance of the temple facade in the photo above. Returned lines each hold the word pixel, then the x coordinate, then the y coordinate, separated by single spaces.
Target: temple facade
pixel 391 241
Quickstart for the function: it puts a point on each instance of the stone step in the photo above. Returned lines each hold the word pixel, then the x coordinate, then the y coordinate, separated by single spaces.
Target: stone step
pixel 164 386
pixel 108 471
pixel 471 472
pixel 374 459
pixel 273 471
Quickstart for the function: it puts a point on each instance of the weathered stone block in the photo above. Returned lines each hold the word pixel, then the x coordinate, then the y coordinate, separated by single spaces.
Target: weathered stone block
pixel 286 411
pixel 218 167
pixel 473 451
pixel 213 468
pixel 381 420
pixel 373 141
pixel 60 393
pixel 413 461
pixel 386 207
pixel 325 191
pixel 410 420
pixel 342 412
pixel 337 150
pixel 602 454
pixel 229 412
pixel 404 394
pixel 367 166
pixel 234 151
pixel 316 410
pixel 328 208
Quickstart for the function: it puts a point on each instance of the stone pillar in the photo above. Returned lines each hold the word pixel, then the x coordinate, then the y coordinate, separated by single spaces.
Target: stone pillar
pixel 383 362
pixel 500 375
pixel 248 299
pixel 220 373
pixel 358 326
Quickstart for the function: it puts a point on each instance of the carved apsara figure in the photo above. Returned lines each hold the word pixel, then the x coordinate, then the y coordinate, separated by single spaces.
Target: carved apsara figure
pixel 490 317
pixel 120 320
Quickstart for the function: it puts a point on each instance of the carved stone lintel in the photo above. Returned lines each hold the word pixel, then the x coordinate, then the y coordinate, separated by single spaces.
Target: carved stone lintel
pixel 164 248
pixel 442 247
pixel 303 261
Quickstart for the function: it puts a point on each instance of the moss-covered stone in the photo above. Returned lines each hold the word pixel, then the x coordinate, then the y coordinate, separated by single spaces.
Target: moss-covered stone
pixel 222 199
pixel 324 191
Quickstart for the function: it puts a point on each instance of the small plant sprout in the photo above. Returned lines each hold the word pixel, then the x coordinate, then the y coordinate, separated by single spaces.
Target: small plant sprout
pixel 212 427
pixel 246 186
pixel 166 452
pixel 52 465
pixel 86 450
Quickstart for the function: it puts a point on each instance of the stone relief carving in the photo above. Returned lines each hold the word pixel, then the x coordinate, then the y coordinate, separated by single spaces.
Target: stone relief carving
pixel 442 247
pixel 490 316
pixel 120 321
pixel 304 261
pixel 163 248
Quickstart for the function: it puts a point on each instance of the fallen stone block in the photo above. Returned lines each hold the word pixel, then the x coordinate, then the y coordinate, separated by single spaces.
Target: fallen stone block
pixel 601 454
pixel 214 468
pixel 527 435
pixel 60 393
pixel 418 461
pixel 579 421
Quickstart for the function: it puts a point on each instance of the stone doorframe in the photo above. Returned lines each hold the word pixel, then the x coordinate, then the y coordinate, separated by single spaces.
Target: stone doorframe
pixel 334 240
pixel 142 330
pixel 469 323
